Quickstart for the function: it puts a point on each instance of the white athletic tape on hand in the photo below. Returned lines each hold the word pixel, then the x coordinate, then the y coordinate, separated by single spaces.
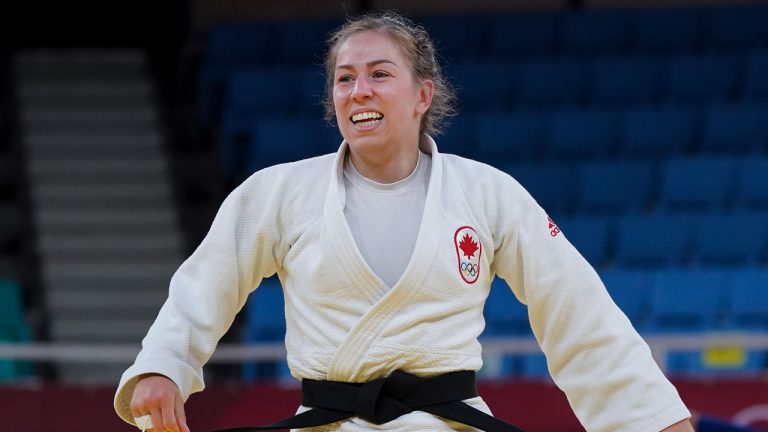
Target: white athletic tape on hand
pixel 144 422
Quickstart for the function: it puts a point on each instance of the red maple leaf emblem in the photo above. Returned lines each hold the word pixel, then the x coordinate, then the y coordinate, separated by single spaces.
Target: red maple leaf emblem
pixel 468 246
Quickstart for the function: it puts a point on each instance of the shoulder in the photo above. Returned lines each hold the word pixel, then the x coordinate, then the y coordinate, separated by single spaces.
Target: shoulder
pixel 493 182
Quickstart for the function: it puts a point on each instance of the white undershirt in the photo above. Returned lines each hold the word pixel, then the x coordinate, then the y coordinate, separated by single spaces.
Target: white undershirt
pixel 385 218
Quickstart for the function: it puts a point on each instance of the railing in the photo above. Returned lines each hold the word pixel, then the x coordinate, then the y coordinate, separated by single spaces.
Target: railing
pixel 660 345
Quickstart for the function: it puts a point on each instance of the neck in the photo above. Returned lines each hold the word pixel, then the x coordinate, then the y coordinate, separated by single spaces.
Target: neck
pixel 383 169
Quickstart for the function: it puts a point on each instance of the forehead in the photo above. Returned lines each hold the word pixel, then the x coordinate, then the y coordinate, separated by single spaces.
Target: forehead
pixel 361 48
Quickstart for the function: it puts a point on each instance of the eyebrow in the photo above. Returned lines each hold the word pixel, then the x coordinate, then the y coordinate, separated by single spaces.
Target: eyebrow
pixel 369 64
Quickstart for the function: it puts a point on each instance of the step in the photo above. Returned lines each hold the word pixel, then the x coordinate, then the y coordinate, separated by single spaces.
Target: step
pixel 159 284
pixel 107 228
pixel 159 191
pixel 34 118
pixel 115 254
pixel 85 329
pixel 86 90
pixel 110 271
pixel 42 143
pixel 105 218
pixel 90 374
pixel 106 298
pixel 135 242
pixel 93 128
pixel 80 62
pixel 105 168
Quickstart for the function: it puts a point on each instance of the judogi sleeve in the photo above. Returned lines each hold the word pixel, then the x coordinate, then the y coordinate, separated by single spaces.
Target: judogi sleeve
pixel 593 353
pixel 208 290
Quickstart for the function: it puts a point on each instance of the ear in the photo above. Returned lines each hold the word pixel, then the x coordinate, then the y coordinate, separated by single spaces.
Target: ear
pixel 426 92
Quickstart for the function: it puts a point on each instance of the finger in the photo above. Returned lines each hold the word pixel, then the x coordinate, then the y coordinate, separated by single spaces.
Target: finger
pixel 157 420
pixel 181 416
pixel 169 416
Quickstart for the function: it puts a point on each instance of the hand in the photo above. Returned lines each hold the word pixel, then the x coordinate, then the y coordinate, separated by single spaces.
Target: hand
pixel 158 396
pixel 683 426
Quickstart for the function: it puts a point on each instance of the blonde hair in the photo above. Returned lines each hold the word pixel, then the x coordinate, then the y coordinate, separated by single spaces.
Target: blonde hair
pixel 418 49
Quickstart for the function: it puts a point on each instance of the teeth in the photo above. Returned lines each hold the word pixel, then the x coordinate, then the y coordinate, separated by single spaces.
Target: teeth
pixel 366 115
pixel 367 123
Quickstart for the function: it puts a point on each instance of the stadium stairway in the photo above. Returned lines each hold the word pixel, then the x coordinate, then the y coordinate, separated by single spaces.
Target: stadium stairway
pixel 108 232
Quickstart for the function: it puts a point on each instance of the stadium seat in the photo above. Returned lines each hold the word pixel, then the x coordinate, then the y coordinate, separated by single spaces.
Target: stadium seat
pixel 458 136
pixel 595 32
pixel 302 42
pixel 735 128
pixel 615 187
pixel 534 34
pixel 756 77
pixel 666 30
pixel 11 222
pixel 652 242
pixel 730 28
pixel 262 91
pixel 589 235
pixel 735 238
pixel 552 185
pixel 697 184
pixel 582 135
pixel 13 328
pixel 310 102
pixel 657 132
pixel 687 300
pixel 280 140
pixel 748 300
pixel 507 137
pixel 504 314
pixel 550 83
pixel 752 183
pixel 626 81
pixel 458 37
pixel 478 86
pixel 697 79
pixel 630 290
pixel 265 322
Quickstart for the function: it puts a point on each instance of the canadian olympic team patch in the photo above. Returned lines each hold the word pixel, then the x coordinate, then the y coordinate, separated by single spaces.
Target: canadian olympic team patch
pixel 468 251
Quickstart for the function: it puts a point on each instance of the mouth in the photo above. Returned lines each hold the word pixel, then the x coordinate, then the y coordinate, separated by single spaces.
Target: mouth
pixel 366 119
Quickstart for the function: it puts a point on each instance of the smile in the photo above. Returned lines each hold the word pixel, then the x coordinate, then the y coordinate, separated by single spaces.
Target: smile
pixel 367 118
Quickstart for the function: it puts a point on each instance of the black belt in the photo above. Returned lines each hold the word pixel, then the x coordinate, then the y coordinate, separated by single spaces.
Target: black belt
pixel 385 399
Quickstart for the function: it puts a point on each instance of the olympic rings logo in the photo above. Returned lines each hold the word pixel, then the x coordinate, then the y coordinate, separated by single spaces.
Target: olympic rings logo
pixel 469 269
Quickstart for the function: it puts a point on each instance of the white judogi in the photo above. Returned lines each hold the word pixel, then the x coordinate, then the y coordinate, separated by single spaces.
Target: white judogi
pixel 345 324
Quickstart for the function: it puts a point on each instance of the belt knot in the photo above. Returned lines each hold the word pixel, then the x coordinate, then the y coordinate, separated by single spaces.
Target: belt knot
pixel 381 400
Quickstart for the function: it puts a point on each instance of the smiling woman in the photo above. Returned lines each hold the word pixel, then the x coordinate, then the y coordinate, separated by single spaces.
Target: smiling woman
pixel 386 251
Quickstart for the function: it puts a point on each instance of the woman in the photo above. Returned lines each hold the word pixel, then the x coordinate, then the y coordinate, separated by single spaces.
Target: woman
pixel 386 251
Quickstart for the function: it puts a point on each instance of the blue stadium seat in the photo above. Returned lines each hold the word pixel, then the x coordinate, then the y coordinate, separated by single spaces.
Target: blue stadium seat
pixel 618 81
pixel 666 30
pixel 630 290
pixel 265 322
pixel 696 79
pixel 657 133
pixel 550 83
pixel 741 27
pixel 735 128
pixel 687 300
pixel 651 242
pixel 310 101
pixel 752 183
pixel 702 183
pixel 534 34
pixel 240 44
pixel 459 37
pixel 263 91
pixel 748 300
pixel 534 366
pixel 615 187
pixel 589 235
pixel 552 185
pixel 13 329
pixel 478 84
pixel 235 135
pixel 507 137
pixel 504 314
pixel 583 134
pixel 756 77
pixel 735 238
pixel 458 136
pixel 595 32
pixel 302 42
pixel 280 140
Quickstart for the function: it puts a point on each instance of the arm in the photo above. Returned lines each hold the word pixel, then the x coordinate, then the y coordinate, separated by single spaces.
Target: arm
pixel 205 294
pixel 593 353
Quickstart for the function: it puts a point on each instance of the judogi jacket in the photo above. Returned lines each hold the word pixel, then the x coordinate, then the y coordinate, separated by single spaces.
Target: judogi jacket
pixel 345 324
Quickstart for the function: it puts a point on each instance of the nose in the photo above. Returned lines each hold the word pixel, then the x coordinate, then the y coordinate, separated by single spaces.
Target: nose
pixel 362 90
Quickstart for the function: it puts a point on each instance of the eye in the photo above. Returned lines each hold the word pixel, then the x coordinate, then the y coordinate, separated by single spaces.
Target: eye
pixel 380 74
pixel 344 78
